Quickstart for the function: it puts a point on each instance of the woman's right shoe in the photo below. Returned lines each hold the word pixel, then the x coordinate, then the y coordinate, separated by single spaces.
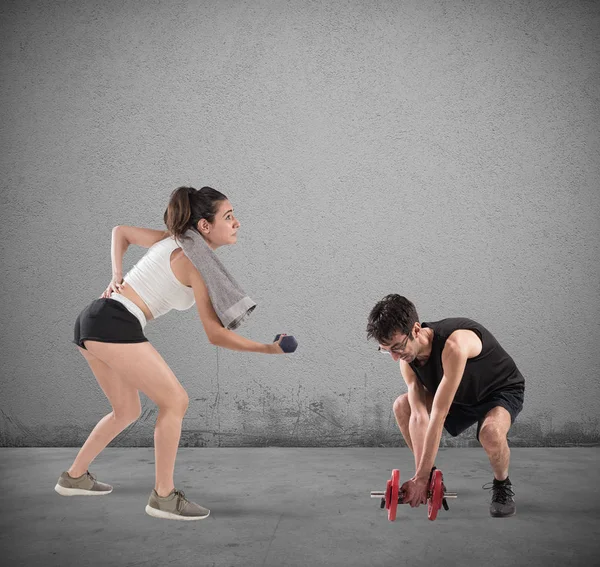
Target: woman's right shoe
pixel 175 506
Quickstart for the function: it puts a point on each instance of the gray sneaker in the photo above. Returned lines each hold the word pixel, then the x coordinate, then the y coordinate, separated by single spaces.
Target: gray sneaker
pixel 175 506
pixel 85 485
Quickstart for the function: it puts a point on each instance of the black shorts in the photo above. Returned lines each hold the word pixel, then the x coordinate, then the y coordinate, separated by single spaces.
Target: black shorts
pixel 107 321
pixel 460 417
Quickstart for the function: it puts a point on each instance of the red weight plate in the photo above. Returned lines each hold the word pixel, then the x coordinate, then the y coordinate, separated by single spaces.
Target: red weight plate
pixel 394 496
pixel 388 494
pixel 434 502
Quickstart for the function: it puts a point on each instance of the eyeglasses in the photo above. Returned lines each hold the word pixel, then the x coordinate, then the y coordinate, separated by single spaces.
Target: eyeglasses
pixel 397 350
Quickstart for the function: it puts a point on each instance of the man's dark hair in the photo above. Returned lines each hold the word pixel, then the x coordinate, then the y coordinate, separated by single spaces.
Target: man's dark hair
pixel 393 314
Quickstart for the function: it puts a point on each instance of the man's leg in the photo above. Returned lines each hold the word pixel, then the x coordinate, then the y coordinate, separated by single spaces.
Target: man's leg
pixel 493 437
pixel 402 414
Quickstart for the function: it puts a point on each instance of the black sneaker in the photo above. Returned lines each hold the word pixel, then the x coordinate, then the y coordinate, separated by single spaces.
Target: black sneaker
pixel 503 504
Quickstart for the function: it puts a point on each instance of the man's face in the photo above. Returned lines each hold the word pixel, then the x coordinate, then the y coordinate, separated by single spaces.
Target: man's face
pixel 400 347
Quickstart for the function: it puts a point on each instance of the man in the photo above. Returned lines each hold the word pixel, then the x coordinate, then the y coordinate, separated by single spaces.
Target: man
pixel 457 375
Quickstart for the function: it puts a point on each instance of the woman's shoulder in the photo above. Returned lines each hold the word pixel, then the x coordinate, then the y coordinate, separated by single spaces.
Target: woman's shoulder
pixel 168 242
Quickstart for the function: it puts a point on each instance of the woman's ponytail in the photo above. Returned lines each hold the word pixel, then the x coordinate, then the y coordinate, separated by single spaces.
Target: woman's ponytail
pixel 188 205
pixel 179 211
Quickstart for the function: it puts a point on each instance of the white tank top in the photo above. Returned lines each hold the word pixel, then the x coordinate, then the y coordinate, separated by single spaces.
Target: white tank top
pixel 154 281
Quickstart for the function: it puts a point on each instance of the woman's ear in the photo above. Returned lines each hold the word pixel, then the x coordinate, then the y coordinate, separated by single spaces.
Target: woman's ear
pixel 203 226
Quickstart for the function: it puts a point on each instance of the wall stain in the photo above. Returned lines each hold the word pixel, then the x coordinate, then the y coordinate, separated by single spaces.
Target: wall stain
pixel 319 423
pixel 14 434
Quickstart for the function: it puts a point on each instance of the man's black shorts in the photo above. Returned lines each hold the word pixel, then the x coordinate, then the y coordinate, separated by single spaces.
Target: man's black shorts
pixel 460 417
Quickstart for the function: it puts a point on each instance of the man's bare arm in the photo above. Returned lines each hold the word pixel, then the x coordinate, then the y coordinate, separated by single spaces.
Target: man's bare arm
pixel 419 417
pixel 460 346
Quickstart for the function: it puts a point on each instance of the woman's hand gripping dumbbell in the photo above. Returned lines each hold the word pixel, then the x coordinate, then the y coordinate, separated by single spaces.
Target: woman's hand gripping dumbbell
pixel 287 343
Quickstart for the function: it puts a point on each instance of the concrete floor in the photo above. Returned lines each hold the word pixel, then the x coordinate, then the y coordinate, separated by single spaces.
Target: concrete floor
pixel 299 507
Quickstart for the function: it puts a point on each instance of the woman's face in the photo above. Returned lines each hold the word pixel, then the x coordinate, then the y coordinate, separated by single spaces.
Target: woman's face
pixel 223 230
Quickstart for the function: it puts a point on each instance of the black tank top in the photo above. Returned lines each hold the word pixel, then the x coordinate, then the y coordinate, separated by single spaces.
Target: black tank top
pixel 492 370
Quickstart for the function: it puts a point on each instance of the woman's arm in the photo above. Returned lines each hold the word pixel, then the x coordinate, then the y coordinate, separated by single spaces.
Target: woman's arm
pixel 217 334
pixel 122 237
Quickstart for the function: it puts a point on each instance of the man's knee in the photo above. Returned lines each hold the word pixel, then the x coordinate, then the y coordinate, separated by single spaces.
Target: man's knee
pixel 489 434
pixel 494 429
pixel 402 407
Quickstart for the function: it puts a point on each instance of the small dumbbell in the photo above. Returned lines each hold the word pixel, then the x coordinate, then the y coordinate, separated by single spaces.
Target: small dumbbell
pixel 436 494
pixel 288 343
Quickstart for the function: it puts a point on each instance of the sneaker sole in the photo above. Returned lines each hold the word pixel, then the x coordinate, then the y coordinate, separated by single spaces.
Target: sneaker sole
pixel 502 515
pixel 170 516
pixel 63 491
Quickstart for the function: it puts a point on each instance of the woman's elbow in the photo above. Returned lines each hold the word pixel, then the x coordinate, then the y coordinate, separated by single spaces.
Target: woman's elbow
pixel 215 337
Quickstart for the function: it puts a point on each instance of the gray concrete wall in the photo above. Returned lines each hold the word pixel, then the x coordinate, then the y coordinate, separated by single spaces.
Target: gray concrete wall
pixel 444 150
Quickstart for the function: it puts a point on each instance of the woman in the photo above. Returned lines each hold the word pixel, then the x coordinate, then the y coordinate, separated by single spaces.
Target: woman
pixel 109 334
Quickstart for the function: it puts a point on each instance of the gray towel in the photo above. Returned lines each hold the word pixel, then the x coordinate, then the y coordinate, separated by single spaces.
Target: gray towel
pixel 229 301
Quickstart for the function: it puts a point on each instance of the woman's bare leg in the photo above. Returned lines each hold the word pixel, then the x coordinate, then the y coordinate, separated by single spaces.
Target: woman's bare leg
pixel 142 367
pixel 125 401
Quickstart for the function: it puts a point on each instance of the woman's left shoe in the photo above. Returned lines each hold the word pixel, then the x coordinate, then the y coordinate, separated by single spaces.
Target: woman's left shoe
pixel 85 485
